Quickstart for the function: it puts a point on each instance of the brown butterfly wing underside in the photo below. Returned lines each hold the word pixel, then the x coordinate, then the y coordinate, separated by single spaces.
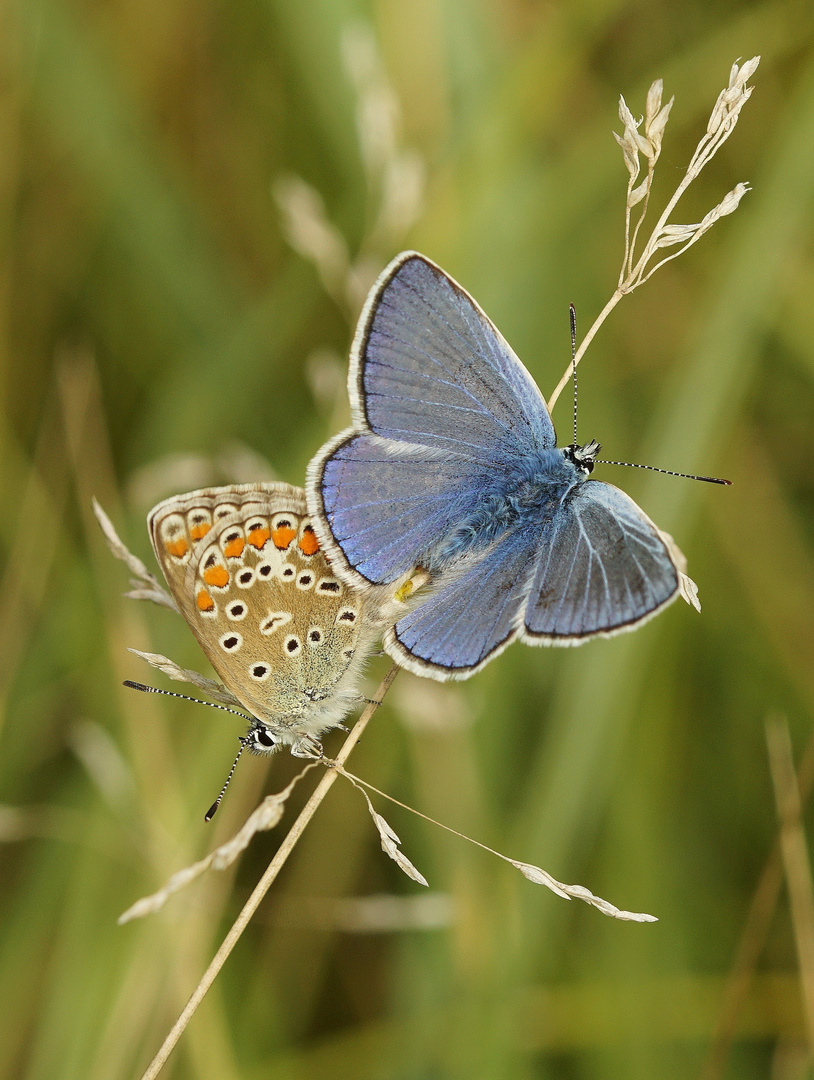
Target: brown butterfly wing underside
pixel 286 637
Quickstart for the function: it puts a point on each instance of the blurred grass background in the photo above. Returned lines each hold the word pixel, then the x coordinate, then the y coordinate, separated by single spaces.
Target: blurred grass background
pixel 159 331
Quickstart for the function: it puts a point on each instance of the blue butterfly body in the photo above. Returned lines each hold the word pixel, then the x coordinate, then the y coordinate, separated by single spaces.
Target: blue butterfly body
pixel 452 466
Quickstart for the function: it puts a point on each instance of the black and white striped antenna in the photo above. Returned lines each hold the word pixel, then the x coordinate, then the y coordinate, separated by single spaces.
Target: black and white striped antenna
pixel 572 312
pixel 244 741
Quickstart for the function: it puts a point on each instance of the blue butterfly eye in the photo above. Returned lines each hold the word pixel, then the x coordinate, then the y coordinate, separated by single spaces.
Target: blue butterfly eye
pixel 452 465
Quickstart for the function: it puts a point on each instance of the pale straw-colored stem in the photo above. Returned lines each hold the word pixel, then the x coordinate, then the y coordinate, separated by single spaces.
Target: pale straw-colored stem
pixel 356 780
pixel 630 245
pixel 647 253
pixel 586 341
pixel 534 874
pixel 628 241
pixel 262 887
pixel 696 236
pixel 795 859
pixel 753 938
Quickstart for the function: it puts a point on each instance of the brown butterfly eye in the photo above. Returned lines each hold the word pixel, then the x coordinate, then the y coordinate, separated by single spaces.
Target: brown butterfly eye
pixel 263 737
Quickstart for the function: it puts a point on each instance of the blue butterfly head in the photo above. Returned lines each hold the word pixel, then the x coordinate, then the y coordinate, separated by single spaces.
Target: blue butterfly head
pixel 584 457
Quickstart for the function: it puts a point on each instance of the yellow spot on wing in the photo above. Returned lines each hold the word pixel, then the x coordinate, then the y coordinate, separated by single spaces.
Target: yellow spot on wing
pixel 217 576
pixel 178 547
pixel 258 537
pixel 308 542
pixel 283 536
pixel 233 549
pixel 204 601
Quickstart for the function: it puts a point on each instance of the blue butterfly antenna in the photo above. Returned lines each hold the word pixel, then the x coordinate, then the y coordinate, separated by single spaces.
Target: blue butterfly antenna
pixel 572 314
pixel 667 472
pixel 630 464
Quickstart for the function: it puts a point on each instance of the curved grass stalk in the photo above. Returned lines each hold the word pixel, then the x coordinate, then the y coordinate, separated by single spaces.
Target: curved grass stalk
pixel 263 886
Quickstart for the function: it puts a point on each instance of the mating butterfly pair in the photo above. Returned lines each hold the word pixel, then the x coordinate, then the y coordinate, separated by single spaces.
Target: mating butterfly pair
pixel 450 476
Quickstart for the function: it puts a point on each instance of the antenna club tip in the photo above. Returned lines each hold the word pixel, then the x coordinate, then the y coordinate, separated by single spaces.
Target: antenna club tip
pixel 136 685
pixel 213 809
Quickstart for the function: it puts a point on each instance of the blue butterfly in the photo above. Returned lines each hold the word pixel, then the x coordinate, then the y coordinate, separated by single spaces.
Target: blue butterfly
pixel 451 466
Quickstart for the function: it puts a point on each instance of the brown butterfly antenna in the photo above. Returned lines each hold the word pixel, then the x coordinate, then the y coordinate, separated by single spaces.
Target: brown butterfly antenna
pixel 213 809
pixel 199 701
pixel 185 697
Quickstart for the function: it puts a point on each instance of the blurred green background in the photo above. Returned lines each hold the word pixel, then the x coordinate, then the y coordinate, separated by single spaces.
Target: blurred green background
pixel 166 166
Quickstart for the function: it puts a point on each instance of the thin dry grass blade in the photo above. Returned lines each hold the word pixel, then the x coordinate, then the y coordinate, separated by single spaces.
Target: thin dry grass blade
pixel 262 887
pixel 795 858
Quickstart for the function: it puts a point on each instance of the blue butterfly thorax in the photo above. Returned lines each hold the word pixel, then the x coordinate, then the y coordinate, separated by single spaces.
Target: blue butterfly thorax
pixel 525 495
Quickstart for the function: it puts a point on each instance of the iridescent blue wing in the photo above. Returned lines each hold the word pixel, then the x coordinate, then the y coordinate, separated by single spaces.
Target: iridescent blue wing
pixel 473 616
pixel 428 366
pixel 384 509
pixel 603 567
pixel 449 404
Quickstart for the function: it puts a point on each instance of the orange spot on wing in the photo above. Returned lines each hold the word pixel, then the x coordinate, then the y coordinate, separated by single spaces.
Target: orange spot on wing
pixel 308 542
pixel 204 601
pixel 283 536
pixel 200 530
pixel 233 549
pixel 178 547
pixel 258 537
pixel 217 576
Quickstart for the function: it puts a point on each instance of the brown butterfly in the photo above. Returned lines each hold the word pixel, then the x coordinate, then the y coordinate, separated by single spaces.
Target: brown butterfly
pixel 287 638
